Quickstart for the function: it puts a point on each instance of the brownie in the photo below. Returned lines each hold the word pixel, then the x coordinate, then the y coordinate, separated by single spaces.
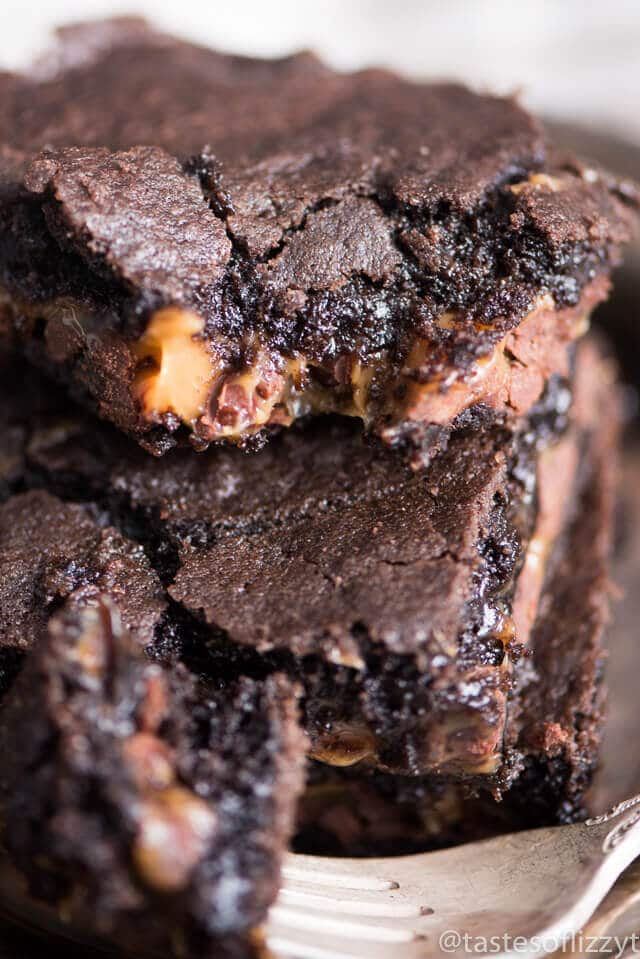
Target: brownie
pixel 553 729
pixel 404 602
pixel 209 246
pixel 51 551
pixel 145 805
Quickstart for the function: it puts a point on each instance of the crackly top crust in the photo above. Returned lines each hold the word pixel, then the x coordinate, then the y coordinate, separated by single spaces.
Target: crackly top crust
pixel 51 551
pixel 328 211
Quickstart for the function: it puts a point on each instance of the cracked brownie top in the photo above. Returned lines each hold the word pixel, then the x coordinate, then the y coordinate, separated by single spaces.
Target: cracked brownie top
pixel 210 241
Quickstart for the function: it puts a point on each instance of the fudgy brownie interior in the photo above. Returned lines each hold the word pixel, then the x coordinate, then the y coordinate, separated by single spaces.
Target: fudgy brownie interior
pixel 139 801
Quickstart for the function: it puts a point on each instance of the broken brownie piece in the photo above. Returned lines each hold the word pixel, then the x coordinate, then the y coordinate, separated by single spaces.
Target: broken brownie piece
pixel 141 803
pixel 406 603
pixel 290 240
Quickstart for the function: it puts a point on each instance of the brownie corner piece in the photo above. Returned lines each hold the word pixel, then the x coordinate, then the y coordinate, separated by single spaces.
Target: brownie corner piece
pixel 227 278
pixel 139 803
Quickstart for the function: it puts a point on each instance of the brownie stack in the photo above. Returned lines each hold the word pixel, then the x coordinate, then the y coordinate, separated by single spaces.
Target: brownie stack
pixel 348 494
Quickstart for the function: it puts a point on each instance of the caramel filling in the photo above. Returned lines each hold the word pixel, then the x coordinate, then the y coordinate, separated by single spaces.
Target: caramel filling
pixel 470 745
pixel 179 375
pixel 177 370
pixel 513 374
pixel 346 745
pixel 175 830
pixel 552 183
pixel 175 826
pixel 253 397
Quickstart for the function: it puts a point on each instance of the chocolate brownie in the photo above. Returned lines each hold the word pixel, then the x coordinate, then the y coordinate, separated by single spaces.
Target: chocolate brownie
pixel 141 803
pixel 214 246
pixel 51 551
pixel 403 601
pixel 554 722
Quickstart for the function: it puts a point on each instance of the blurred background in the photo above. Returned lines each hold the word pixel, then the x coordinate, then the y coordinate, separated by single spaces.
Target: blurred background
pixel 578 60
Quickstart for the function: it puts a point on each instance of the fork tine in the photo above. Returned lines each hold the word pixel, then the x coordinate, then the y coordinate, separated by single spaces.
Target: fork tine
pixel 364 905
pixel 313 884
pixel 345 874
pixel 348 928
pixel 285 941
pixel 332 910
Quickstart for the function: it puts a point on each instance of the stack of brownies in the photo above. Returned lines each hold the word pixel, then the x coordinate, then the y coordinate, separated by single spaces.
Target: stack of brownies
pixel 332 556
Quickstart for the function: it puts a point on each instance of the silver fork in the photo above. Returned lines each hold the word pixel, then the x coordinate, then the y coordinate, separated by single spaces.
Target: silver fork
pixel 522 894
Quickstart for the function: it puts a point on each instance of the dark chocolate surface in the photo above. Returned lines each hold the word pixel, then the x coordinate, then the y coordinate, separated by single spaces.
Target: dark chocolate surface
pixel 51 551
pixel 395 563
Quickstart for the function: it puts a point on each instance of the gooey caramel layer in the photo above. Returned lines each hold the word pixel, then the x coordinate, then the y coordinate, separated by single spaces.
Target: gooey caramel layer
pixel 178 370
pixel 178 374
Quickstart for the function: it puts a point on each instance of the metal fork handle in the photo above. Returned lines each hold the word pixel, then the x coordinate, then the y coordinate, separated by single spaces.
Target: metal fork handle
pixel 624 816
pixel 614 839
